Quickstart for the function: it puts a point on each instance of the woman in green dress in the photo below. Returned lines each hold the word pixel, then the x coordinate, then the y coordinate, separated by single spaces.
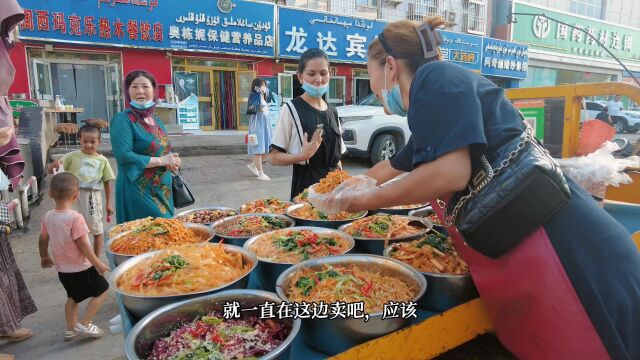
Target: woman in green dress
pixel 143 152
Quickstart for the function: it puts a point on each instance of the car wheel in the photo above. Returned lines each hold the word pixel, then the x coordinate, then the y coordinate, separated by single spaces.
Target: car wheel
pixel 384 147
pixel 620 124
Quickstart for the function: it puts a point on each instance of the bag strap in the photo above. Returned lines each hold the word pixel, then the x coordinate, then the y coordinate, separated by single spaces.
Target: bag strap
pixel 296 123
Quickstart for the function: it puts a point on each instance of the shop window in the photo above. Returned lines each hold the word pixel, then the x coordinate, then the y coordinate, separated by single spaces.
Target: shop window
pixel 285 86
pixel 590 8
pixel 336 93
pixel 475 12
pixel 43 80
pixel 218 63
pixel 322 5
pixel 290 68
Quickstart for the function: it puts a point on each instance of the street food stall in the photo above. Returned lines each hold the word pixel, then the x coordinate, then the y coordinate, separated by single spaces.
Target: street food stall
pixel 274 253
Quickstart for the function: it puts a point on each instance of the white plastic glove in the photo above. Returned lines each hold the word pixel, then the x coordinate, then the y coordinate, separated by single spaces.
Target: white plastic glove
pixel 342 196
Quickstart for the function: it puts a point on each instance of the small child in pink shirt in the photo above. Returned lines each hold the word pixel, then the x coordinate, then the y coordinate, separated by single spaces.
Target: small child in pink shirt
pixel 79 269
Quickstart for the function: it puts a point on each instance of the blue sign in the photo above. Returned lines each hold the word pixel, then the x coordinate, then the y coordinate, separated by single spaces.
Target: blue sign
pixel 505 58
pixel 462 49
pixel 225 26
pixel 343 38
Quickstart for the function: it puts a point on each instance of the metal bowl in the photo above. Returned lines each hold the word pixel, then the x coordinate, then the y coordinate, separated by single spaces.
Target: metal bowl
pixel 240 240
pixel 445 291
pixel 394 211
pixel 335 336
pixel 206 232
pixel 425 212
pixel 375 246
pixel 221 208
pixel 162 321
pixel 141 305
pixel 244 206
pixel 268 271
pixel 331 224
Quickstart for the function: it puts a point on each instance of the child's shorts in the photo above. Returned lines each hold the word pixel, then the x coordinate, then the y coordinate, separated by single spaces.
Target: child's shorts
pixel 90 206
pixel 84 284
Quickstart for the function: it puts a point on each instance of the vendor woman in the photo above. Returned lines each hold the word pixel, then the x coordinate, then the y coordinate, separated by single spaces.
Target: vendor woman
pixel 568 290
pixel 308 133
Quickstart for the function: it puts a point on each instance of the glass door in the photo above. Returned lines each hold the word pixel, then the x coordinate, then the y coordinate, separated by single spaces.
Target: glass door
pixel 42 79
pixel 243 89
pixel 361 88
pixel 204 92
pixel 285 87
pixel 336 94
pixel 112 81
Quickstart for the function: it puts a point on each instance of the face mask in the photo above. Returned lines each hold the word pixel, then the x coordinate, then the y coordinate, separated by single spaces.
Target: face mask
pixel 392 100
pixel 142 105
pixel 315 91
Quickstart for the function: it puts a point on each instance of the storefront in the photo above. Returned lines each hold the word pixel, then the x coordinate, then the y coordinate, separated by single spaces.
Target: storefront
pixel 70 47
pixel 560 54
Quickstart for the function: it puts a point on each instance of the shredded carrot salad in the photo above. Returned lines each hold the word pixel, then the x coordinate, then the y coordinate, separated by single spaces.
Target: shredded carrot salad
pixel 433 254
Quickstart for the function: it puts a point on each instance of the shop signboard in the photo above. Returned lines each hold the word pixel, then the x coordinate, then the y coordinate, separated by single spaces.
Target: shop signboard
pixel 462 49
pixel 343 38
pixel 504 59
pixel 533 112
pixel 545 34
pixel 224 26
pixel 188 113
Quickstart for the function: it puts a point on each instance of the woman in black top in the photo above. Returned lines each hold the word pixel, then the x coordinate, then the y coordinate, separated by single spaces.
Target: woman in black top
pixel 308 133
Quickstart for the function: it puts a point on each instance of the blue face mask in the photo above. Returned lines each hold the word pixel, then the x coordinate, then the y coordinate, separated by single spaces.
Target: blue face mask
pixel 392 100
pixel 315 91
pixel 142 105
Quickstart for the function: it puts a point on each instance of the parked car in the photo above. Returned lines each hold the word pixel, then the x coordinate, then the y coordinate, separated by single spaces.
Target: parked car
pixel 370 133
pixel 626 121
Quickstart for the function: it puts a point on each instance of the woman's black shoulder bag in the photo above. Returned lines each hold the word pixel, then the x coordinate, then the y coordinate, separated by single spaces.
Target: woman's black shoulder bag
pixel 182 196
pixel 512 192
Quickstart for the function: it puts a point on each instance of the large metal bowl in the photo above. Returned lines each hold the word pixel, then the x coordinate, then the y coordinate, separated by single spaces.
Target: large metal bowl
pixel 425 212
pixel 375 246
pixel 221 208
pixel 162 321
pixel 244 207
pixel 141 305
pixel 206 232
pixel 397 211
pixel 267 272
pixel 240 240
pixel 445 291
pixel 331 224
pixel 335 336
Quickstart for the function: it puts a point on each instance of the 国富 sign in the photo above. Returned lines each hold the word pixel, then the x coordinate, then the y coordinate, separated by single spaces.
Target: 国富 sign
pixel 545 34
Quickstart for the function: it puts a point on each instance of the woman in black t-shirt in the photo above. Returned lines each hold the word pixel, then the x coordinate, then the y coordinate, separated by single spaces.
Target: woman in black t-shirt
pixel 308 133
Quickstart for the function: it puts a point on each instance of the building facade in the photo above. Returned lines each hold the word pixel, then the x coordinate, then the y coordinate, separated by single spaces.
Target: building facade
pixel 81 51
pixel 560 53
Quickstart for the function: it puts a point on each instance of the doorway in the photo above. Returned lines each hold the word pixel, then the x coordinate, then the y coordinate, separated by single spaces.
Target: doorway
pixel 222 97
pixel 362 88
pixel 72 79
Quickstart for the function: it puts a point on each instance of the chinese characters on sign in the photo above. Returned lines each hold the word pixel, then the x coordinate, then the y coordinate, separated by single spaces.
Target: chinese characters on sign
pixel 463 49
pixel 548 35
pixel 506 59
pixel 344 39
pixel 247 28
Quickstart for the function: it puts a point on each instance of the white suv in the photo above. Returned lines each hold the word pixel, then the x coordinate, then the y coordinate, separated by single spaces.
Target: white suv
pixel 370 133
pixel 626 120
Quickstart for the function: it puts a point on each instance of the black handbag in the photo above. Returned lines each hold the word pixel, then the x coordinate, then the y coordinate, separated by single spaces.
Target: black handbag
pixel 252 110
pixel 182 196
pixel 512 192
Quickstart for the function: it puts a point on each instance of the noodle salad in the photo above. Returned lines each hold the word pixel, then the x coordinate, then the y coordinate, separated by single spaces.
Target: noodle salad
pixel 308 212
pixel 383 226
pixel 265 206
pixel 294 246
pixel 130 225
pixel 156 234
pixel 213 337
pixel 243 226
pixel 433 254
pixel 349 284
pixel 331 181
pixel 183 270
pixel 303 197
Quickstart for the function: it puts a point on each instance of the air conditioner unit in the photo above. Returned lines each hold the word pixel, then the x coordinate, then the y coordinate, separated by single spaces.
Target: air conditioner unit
pixel 450 15
pixel 395 2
